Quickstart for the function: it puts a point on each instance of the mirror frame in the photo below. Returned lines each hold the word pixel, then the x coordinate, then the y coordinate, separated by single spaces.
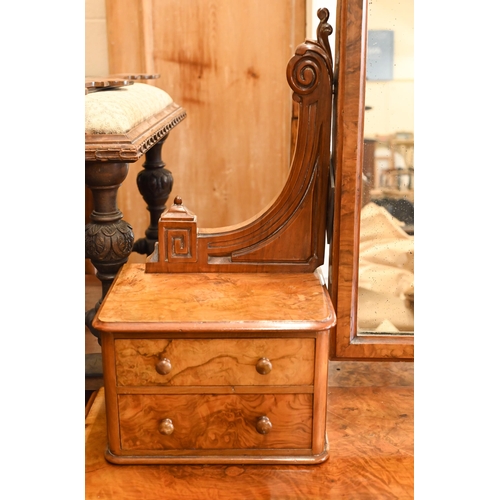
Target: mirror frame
pixel 348 144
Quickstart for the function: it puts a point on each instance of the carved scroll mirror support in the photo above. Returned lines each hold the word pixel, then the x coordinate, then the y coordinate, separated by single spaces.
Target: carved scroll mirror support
pixel 288 235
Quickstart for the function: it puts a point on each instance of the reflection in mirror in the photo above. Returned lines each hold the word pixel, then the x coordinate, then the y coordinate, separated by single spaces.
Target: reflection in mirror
pixel 386 252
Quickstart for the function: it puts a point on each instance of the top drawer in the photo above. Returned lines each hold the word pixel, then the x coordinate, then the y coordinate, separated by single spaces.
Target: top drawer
pixel 204 362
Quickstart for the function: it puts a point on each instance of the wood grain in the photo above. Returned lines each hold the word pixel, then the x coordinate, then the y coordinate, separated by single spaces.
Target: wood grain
pixel 144 302
pixel 288 235
pixel 320 392
pixel 213 57
pixel 214 361
pixel 213 329
pixel 370 373
pixel 371 457
pixel 207 422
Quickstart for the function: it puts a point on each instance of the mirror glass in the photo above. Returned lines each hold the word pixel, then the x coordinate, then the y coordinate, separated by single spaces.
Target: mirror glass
pixel 386 253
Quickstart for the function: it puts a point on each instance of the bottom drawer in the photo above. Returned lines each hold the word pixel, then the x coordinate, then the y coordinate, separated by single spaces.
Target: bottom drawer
pixel 215 422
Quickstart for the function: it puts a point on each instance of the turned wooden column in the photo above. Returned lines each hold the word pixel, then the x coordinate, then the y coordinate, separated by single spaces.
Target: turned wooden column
pixel 108 238
pixel 155 185
pixel 123 123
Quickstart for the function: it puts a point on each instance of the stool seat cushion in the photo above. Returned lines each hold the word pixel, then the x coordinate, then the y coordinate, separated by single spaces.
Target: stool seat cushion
pixel 117 111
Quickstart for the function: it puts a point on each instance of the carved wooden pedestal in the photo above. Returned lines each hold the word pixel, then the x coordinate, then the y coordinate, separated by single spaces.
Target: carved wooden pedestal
pixel 108 238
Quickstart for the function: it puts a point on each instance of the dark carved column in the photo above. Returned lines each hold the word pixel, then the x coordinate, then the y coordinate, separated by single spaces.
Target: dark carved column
pixel 108 238
pixel 155 184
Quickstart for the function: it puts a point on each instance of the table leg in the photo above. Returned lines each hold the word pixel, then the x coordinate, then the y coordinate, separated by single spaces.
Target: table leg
pixel 155 184
pixel 108 238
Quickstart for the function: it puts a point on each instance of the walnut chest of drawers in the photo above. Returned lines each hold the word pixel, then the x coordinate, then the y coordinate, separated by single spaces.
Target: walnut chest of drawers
pixel 215 367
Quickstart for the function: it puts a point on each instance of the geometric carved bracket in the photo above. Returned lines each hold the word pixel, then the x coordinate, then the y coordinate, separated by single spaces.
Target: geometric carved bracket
pixel 178 243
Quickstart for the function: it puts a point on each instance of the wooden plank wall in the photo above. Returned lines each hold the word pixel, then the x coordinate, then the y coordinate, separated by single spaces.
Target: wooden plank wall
pixel 225 63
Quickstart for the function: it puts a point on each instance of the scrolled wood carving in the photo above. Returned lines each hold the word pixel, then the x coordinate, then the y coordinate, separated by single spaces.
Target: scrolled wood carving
pixel 303 76
pixel 288 235
pixel 324 30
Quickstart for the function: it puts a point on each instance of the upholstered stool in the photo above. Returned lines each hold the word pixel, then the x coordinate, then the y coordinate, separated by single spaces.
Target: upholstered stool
pixel 122 123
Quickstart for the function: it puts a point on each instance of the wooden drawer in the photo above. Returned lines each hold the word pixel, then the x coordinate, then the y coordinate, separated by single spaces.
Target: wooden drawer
pixel 204 362
pixel 215 422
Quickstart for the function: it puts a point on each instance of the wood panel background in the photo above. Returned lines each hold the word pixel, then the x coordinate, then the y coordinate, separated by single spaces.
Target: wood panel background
pixel 224 62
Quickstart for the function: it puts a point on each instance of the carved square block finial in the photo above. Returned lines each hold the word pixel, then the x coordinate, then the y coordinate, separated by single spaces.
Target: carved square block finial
pixel 177 230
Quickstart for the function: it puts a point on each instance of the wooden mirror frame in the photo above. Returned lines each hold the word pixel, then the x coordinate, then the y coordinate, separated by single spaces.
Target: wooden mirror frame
pixel 349 110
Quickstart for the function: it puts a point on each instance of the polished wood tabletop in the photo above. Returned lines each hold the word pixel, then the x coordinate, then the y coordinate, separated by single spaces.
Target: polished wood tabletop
pixel 220 301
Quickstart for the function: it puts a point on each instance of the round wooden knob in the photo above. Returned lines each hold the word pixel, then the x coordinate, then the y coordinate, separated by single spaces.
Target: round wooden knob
pixel 163 366
pixel 263 425
pixel 263 366
pixel 166 427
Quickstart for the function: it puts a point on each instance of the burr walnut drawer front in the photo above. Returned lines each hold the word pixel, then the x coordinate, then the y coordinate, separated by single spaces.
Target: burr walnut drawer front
pixel 150 423
pixel 204 362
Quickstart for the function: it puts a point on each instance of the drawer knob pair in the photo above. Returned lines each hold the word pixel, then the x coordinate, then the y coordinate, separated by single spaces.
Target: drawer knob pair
pixel 264 366
pixel 163 366
pixel 263 426
pixel 166 427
